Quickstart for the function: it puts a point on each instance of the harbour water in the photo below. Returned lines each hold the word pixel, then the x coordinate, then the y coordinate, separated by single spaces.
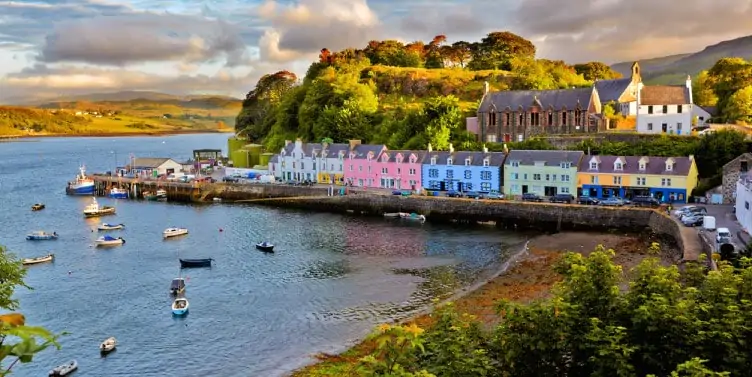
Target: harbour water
pixel 331 279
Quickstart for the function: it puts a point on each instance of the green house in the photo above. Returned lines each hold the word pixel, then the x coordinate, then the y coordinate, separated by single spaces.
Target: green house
pixel 544 173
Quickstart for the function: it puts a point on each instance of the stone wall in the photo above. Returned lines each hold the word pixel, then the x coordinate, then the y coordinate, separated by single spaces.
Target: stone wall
pixel 731 172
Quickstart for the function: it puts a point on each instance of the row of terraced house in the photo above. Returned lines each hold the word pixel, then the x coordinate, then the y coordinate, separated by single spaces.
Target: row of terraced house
pixel 545 173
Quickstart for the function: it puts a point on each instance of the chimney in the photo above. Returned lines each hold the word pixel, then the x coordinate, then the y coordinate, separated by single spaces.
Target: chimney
pixel 451 148
pixel 354 143
pixel 430 148
pixel 287 142
pixel 689 86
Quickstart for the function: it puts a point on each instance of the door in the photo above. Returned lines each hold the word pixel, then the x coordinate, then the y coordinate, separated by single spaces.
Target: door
pixel 524 189
pixel 549 190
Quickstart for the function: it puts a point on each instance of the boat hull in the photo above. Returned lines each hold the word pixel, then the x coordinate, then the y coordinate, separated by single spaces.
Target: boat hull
pixel 106 228
pixel 33 261
pixel 41 238
pixel 83 189
pixel 110 243
pixel 266 249
pixel 179 312
pixel 119 195
pixel 102 212
pixel 195 263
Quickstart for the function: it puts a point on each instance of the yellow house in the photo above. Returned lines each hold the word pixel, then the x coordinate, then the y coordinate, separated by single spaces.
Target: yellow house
pixel 668 179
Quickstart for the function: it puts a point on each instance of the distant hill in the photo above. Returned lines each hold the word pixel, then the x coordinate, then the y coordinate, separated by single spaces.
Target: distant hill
pixel 121 96
pixel 674 69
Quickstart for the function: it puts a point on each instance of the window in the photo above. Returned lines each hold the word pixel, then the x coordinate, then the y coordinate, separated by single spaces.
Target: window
pixel 665 109
pixel 340 167
pixel 743 166
pixel 411 172
pixel 550 118
pixel 564 117
pixel 468 174
pixel 351 168
pixel 513 175
pixel 514 189
pixel 679 126
pixel 593 165
pixel 515 164
pixel 564 190
pixel 650 109
pixel 449 161
pixel 360 168
pixel 650 126
pixel 524 176
pixel 450 174
pixel 399 171
pixel 641 181
pixel 536 177
pixel 548 177
pixel 617 180
pixel 283 164
pixel 467 162
pixel 553 177
pixel 433 173
pixel 433 160
pixel 565 178
pixel 669 166
pixel 618 166
pixel 486 175
pixel 485 162
pixel 679 109
pixel 369 168
pixel 566 165
pixel 491 138
pixel 594 179
pixel 384 170
pixel 665 181
pixel 293 164
pixel 746 205
pixel 535 119
pixel 484 186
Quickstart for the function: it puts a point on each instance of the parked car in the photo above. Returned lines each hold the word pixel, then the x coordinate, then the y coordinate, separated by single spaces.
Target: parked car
pixel 696 211
pixel 454 194
pixel 612 202
pixel 397 192
pixel 683 210
pixel 693 220
pixel 472 195
pixel 229 179
pixel 645 201
pixel 588 200
pixel 562 198
pixel 530 197
pixel 493 195
pixel 723 235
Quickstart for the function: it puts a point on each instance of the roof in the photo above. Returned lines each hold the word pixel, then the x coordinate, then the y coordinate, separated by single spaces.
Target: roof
pixel 560 98
pixel 405 155
pixel 654 166
pixel 274 159
pixel 712 110
pixel 332 150
pixel 361 150
pixel 150 162
pixel 664 95
pixel 550 158
pixel 611 90
pixel 459 157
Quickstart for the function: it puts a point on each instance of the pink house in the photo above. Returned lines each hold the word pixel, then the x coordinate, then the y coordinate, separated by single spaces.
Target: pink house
pixel 360 165
pixel 387 169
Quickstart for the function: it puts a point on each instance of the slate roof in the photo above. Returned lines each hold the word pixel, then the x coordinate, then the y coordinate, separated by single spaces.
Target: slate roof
pixel 557 99
pixel 654 166
pixel 551 158
pixel 611 90
pixel 664 95
pixel 274 159
pixel 406 156
pixel 459 157
pixel 149 162
pixel 332 150
pixel 361 150
pixel 712 110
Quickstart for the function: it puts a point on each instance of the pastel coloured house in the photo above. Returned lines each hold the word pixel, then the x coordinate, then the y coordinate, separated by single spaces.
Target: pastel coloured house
pixel 362 165
pixel 329 162
pixel 544 173
pixel 462 171
pixel 400 169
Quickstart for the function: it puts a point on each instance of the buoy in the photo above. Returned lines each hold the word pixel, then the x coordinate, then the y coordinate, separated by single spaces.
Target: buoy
pixel 70 272
pixel 220 229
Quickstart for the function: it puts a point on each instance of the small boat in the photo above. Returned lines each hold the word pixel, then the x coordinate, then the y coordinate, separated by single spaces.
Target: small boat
pixel 161 194
pixel 65 369
pixel 148 195
pixel 192 263
pixel 82 185
pixel 412 216
pixel 37 207
pixel 109 241
pixel 392 215
pixel 180 306
pixel 265 246
pixel 174 232
pixel 118 193
pixel 107 226
pixel 177 286
pixel 47 258
pixel 41 236
pixel 95 210
pixel 108 345
pixel 217 199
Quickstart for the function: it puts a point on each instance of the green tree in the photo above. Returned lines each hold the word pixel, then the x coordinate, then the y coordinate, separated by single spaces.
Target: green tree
pixel 497 50
pixel 258 113
pixel 727 76
pixel 442 116
pixel 702 90
pixel 596 71
pixel 739 105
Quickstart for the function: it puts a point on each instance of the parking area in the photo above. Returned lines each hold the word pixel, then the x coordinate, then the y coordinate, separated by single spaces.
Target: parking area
pixel 725 218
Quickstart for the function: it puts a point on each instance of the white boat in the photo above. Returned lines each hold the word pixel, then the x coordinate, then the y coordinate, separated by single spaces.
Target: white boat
pixel 83 185
pixel 174 232
pixel 180 306
pixel 412 216
pixel 109 241
pixel 95 210
pixel 392 215
pixel 118 193
pixel 47 258
pixel 106 226
pixel 65 369
pixel 161 194
pixel 217 199
pixel 108 345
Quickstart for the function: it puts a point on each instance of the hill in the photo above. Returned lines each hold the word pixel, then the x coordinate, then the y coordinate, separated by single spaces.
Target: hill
pixel 673 69
pixel 120 96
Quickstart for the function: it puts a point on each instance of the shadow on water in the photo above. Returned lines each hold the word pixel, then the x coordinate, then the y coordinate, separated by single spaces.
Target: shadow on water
pixel 327 270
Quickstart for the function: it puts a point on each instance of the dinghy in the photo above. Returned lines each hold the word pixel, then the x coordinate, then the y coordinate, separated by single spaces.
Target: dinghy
pixel 174 232
pixel 106 226
pixel 37 260
pixel 65 369
pixel 180 306
pixel 108 345
pixel 177 286
pixel 412 216
pixel 41 236
pixel 195 263
pixel 109 241
pixel 37 207
pixel 265 247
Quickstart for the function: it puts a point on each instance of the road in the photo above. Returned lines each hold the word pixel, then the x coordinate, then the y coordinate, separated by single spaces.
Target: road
pixel 725 218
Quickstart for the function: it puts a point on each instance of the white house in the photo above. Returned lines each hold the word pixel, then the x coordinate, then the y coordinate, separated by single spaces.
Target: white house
pixel 163 166
pixel 665 109
pixel 296 162
pixel 330 160
pixel 743 202
pixel 702 114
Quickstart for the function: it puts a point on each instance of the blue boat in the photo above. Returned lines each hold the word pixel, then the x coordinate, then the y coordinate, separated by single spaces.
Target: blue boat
pixel 118 193
pixel 41 236
pixel 180 306
pixel 83 185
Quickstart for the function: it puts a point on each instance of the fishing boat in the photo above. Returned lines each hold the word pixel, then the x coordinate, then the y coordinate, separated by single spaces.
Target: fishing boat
pixel 41 236
pixel 109 241
pixel 174 232
pixel 108 345
pixel 95 210
pixel 161 194
pixel 65 369
pixel 412 216
pixel 82 185
pixel 177 286
pixel 265 247
pixel 107 226
pixel 180 306
pixel 195 263
pixel 47 258
pixel 118 193
pixel 149 195
pixel 37 207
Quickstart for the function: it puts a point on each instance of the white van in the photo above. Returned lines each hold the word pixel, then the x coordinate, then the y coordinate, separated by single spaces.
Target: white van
pixel 708 223
pixel 724 235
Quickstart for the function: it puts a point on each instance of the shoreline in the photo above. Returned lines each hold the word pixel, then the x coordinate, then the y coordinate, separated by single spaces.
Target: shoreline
pixel 118 134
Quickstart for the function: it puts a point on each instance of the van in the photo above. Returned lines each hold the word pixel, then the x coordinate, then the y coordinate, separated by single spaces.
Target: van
pixel 708 223
pixel 724 235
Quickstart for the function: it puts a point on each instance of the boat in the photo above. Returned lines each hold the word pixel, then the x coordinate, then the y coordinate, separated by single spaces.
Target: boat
pixel 149 195
pixel 65 369
pixel 412 216
pixel 161 194
pixel 47 258
pixel 41 236
pixel 180 306
pixel 177 286
pixel 109 241
pixel 192 263
pixel 118 193
pixel 265 246
pixel 95 210
pixel 174 232
pixel 37 207
pixel 217 199
pixel 107 226
pixel 108 345
pixel 392 215
pixel 82 185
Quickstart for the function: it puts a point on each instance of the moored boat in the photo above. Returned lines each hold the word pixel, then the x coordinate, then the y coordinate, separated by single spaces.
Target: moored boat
pixel 37 207
pixel 41 236
pixel 82 185
pixel 177 286
pixel 265 246
pixel 161 194
pixel 149 195
pixel 180 306
pixel 106 226
pixel 108 345
pixel 47 258
pixel 118 193
pixel 109 241
pixel 65 369
pixel 412 216
pixel 95 210
pixel 174 232
pixel 195 263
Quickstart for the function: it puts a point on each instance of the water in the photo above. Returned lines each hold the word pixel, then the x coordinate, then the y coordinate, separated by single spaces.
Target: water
pixel 330 281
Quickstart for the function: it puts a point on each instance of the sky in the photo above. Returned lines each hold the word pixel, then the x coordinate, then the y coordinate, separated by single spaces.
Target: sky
pixel 62 47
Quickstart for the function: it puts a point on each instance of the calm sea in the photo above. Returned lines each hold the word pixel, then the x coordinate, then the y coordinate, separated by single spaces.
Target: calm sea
pixel 331 279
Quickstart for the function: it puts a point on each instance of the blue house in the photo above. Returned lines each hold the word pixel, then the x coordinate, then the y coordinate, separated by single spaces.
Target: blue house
pixel 462 171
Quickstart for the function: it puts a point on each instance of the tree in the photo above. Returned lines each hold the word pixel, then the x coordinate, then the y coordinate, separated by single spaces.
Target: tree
pixel 498 49
pixel 458 54
pixel 727 76
pixel 739 105
pixel 702 90
pixel 325 56
pixel 435 52
pixel 596 71
pixel 258 113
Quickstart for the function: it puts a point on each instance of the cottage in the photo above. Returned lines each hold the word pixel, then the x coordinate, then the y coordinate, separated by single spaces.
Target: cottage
pixel 362 166
pixel 665 109
pixel 462 171
pixel 732 172
pixel 330 159
pixel 155 166
pixel 296 161
pixel 544 173
pixel 622 92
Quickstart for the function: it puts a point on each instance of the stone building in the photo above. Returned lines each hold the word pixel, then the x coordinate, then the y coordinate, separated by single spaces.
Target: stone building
pixel 731 173
pixel 516 115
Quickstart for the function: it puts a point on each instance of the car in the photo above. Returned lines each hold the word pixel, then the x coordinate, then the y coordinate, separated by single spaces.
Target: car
pixel 693 220
pixel 723 235
pixel 472 195
pixel 612 202
pixel 697 211
pixel 588 200
pixel 397 192
pixel 530 197
pixel 493 195
pixel 230 179
pixel 645 201
pixel 683 210
pixel 562 198
pixel 453 194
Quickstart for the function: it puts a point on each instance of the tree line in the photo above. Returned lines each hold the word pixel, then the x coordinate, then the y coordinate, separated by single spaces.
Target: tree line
pixel 727 86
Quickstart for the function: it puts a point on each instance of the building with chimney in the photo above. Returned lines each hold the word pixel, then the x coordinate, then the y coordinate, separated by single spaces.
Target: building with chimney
pixel 463 171
pixel 665 109
pixel 622 92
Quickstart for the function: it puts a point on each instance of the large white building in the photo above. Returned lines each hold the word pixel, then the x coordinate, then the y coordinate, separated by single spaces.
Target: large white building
pixel 744 202
pixel 314 162
pixel 665 109
pixel 162 166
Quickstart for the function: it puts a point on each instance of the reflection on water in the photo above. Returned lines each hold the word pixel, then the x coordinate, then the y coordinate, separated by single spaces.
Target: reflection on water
pixel 327 270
